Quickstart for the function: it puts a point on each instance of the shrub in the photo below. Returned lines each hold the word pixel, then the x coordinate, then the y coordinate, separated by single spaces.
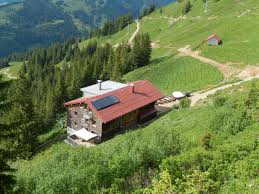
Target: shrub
pixel 206 141
pixel 185 103
pixel 219 101
pixel 187 7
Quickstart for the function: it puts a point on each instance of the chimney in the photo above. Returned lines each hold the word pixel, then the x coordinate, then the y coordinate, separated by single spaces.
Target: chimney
pixel 100 84
pixel 132 87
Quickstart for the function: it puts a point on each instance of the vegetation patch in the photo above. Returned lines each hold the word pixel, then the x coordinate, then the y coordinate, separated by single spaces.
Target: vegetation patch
pixel 171 74
pixel 170 155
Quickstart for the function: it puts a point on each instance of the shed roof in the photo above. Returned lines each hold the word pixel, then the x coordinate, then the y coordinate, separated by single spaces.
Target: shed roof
pixel 144 93
pixel 214 36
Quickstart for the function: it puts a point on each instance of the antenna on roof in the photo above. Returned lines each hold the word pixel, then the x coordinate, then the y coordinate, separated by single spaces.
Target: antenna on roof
pixel 206 6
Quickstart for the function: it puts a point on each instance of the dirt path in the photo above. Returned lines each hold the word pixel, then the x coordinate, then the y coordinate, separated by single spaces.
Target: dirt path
pixel 201 95
pixel 135 33
pixel 247 74
pixel 226 70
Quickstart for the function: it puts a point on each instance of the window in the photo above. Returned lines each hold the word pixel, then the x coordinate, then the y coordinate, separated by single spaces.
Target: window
pixel 76 124
pixel 75 112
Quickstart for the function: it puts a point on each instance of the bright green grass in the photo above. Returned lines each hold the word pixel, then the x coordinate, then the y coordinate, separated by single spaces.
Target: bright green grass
pixel 122 36
pixel 238 31
pixel 170 74
pixel 82 166
pixel 13 70
pixel 55 131
pixel 63 168
pixel 239 34
pixel 162 52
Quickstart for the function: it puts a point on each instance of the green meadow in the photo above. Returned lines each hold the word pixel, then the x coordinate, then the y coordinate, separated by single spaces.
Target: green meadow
pixel 174 144
pixel 12 71
pixel 177 73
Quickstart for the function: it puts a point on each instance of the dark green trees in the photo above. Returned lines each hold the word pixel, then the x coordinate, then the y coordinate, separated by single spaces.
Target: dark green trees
pixel 187 7
pixel 112 26
pixel 43 86
pixel 22 118
pixel 141 51
pixel 6 177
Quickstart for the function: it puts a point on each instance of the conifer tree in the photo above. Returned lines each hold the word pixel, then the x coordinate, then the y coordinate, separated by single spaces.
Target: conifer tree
pixel 60 94
pixel 108 67
pixel 141 51
pixel 6 177
pixel 22 113
pixel 50 105
pixel 116 71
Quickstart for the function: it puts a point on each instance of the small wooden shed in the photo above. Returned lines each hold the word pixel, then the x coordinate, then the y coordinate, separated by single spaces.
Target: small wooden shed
pixel 214 40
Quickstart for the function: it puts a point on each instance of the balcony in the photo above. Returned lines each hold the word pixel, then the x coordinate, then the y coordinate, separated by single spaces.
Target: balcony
pixel 88 115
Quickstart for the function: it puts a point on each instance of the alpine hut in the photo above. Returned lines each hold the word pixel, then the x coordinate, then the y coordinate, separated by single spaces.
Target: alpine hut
pixel 214 40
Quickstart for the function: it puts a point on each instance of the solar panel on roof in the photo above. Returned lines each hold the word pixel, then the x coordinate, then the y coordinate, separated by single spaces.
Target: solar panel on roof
pixel 105 102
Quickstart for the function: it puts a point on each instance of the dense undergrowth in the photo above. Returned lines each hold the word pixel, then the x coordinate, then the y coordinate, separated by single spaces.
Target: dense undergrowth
pixel 211 148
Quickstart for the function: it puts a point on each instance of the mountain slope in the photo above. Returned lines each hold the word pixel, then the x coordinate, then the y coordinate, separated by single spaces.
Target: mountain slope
pixel 235 22
pixel 174 34
pixel 34 23
pixel 209 148
pixel 176 144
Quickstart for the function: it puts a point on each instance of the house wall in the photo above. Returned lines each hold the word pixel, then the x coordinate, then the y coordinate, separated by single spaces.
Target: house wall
pixel 124 122
pixel 77 121
pixel 213 41
pixel 121 123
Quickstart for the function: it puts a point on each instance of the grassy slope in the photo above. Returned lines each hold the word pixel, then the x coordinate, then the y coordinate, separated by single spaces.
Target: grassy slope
pixel 64 161
pixel 240 43
pixel 12 70
pixel 239 34
pixel 236 22
pixel 52 169
pixel 172 73
pixel 122 36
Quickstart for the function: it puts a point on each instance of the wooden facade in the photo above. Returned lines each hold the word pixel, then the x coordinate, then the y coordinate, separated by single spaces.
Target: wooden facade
pixel 113 109
pixel 81 117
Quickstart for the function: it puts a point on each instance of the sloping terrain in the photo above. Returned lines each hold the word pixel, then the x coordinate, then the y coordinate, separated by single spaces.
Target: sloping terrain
pixel 173 33
pixel 35 23
pixel 211 147
pixel 176 144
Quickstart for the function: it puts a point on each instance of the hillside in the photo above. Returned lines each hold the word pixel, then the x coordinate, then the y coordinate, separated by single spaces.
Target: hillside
pixel 174 34
pixel 209 147
pixel 175 144
pixel 35 23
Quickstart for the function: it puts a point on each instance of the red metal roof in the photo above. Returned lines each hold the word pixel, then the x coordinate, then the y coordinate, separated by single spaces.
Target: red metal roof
pixel 214 36
pixel 144 94
pixel 76 101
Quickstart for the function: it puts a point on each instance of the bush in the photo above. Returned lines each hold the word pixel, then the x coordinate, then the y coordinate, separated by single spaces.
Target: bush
pixel 187 8
pixel 219 101
pixel 185 103
pixel 206 141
